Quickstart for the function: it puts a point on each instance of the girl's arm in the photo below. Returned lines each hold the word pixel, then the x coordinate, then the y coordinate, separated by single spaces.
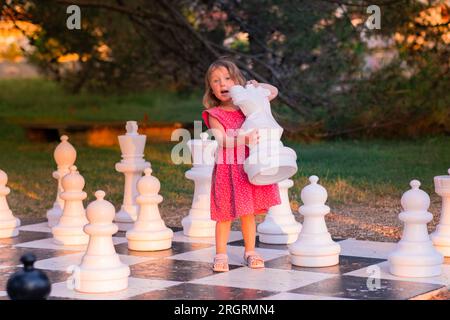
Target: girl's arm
pixel 273 90
pixel 229 141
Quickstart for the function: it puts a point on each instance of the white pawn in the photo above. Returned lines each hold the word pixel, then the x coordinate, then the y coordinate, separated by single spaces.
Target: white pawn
pixel 149 232
pixel 441 237
pixel 65 156
pixel 314 246
pixel 279 225
pixel 101 270
pixel 415 255
pixel 8 223
pixel 69 230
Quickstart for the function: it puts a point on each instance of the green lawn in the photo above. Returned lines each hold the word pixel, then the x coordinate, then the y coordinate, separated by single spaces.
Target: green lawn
pixel 37 100
pixel 354 172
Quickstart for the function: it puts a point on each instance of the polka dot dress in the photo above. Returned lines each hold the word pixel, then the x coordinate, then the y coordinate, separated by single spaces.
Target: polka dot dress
pixel 232 194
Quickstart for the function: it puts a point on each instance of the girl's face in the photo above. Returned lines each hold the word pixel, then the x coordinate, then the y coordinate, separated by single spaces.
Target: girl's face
pixel 220 82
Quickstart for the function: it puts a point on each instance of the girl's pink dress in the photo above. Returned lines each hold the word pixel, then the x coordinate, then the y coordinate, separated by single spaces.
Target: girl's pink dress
pixel 232 194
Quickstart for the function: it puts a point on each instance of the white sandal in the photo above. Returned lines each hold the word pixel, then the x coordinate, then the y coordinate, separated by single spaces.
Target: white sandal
pixel 221 263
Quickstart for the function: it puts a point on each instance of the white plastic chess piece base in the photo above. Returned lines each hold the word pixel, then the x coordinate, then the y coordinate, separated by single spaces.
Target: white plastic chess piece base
pixel 441 240
pixel 279 225
pixel 9 227
pixel 415 260
pixel 149 241
pixel 104 280
pixel 69 236
pixel 126 217
pixel 53 215
pixel 304 254
pixel 198 228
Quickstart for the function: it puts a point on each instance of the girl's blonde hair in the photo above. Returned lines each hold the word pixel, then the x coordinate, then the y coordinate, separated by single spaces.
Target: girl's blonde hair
pixel 209 99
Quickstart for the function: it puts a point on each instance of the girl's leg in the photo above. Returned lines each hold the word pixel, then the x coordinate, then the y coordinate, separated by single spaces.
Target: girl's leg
pixel 222 234
pixel 221 258
pixel 248 225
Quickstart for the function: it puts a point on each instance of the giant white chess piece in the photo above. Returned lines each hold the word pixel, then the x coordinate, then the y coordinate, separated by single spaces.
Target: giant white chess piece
pixel 441 236
pixel 279 225
pixel 132 165
pixel 8 223
pixel 198 223
pixel 101 270
pixel 65 156
pixel 314 246
pixel 269 161
pixel 149 232
pixel 69 230
pixel 415 255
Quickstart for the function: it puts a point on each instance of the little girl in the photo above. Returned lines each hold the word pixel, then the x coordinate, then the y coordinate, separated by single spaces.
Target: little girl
pixel 232 195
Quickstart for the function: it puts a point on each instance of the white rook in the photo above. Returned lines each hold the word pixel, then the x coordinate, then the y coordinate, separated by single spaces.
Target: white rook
pixel 132 165
pixel 415 255
pixel 65 156
pixel 279 225
pixel 314 246
pixel 441 237
pixel 198 223
pixel 69 230
pixel 149 232
pixel 8 223
pixel 101 270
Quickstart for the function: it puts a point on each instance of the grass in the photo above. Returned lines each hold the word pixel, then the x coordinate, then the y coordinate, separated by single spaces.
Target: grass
pixel 37 100
pixel 356 174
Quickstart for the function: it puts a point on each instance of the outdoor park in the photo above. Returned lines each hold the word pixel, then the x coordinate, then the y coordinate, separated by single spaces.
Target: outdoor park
pixel 362 97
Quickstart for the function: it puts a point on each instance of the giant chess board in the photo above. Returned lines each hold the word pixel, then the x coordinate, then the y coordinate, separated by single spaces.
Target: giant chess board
pixel 185 271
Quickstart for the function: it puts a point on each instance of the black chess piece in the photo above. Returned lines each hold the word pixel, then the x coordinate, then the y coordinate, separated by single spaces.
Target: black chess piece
pixel 28 283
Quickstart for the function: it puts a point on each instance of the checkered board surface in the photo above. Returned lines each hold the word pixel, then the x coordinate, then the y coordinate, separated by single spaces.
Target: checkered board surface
pixel 185 271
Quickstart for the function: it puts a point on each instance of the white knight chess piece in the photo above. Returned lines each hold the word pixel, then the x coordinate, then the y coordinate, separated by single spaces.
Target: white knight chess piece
pixel 269 161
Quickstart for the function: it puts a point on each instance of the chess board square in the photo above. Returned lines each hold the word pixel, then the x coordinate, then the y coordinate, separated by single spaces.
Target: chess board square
pixel 258 244
pixel 49 244
pixel 235 255
pixel 64 262
pixel 264 279
pixel 135 287
pixel 36 227
pixel 10 256
pixel 368 249
pixel 191 291
pixel 296 296
pixel 25 236
pixel 443 279
pixel 180 237
pixel 177 248
pixel 346 264
pixel 176 270
pixel 54 276
pixel 351 287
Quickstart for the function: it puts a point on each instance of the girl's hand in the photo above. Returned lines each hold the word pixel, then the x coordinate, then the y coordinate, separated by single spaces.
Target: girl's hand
pixel 252 137
pixel 253 82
